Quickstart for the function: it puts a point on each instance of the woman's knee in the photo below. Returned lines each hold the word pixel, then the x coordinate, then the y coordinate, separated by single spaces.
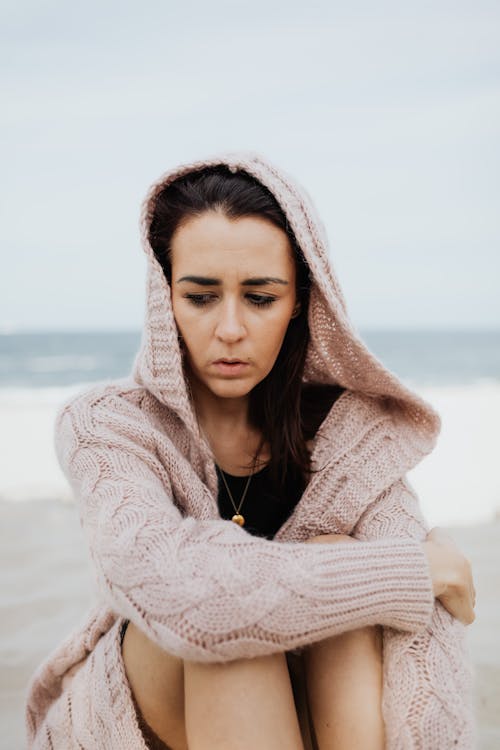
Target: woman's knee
pixel 156 680
pixel 255 675
pixel 344 676
pixel 222 701
pixel 361 648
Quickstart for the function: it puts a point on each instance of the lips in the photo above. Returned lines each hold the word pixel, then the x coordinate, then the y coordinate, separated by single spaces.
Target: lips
pixel 230 369
pixel 230 361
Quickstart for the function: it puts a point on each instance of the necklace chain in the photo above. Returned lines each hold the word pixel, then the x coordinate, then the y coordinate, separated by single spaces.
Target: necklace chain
pixel 237 518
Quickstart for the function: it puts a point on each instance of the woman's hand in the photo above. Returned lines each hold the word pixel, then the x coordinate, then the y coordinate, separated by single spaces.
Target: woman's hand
pixel 451 575
pixel 451 572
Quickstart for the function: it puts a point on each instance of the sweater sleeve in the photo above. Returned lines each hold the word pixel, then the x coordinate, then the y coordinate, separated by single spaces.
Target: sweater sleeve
pixel 207 590
pixel 428 676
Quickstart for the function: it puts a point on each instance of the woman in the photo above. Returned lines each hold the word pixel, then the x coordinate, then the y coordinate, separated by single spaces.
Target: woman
pixel 267 577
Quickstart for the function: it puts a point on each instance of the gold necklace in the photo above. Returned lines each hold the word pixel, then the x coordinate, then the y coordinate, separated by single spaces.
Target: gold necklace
pixel 237 518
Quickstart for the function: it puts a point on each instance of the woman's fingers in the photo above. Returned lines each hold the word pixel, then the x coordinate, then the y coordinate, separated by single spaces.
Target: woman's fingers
pixel 452 575
pixel 459 605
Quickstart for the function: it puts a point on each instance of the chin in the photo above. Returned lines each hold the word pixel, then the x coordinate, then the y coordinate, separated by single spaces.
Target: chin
pixel 230 388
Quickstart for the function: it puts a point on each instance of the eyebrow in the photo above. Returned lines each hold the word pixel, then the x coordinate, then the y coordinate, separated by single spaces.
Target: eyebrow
pixel 255 281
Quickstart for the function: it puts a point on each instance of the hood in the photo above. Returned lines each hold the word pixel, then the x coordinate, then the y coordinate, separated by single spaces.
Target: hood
pixel 336 353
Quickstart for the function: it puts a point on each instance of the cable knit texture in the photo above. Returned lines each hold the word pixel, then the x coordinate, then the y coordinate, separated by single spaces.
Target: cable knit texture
pixel 203 588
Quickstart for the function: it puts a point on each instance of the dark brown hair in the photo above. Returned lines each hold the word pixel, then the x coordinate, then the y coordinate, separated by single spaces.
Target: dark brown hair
pixel 286 411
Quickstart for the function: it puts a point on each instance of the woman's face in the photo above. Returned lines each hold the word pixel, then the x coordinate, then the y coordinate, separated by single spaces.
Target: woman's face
pixel 239 299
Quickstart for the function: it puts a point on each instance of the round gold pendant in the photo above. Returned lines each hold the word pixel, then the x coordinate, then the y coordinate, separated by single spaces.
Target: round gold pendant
pixel 238 519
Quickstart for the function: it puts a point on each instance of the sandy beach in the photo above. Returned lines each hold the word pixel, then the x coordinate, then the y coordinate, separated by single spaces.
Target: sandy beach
pixel 46 580
pixel 47 585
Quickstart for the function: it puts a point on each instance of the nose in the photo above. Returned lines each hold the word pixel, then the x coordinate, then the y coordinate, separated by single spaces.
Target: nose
pixel 230 326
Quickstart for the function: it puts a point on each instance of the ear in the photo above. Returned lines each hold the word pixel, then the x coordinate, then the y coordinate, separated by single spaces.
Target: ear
pixel 296 310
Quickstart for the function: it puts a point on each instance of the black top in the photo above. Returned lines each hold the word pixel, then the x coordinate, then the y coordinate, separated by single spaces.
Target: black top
pixel 263 510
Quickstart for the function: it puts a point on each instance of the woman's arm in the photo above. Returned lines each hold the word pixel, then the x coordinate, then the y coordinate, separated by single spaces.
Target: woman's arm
pixel 428 676
pixel 450 571
pixel 207 590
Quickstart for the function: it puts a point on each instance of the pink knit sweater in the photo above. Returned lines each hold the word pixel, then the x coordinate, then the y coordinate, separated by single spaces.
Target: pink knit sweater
pixel 203 588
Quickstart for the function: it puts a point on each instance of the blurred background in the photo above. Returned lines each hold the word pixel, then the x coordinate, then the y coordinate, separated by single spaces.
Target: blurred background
pixel 387 113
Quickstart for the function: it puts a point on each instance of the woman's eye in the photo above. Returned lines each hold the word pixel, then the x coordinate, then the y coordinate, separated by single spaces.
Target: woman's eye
pixel 258 300
pixel 197 299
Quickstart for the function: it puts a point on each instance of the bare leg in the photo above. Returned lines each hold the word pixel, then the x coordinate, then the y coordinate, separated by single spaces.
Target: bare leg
pixel 344 686
pixel 157 682
pixel 249 703
pixel 241 705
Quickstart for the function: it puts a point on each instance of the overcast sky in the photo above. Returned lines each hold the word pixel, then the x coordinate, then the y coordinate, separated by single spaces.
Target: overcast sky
pixel 388 113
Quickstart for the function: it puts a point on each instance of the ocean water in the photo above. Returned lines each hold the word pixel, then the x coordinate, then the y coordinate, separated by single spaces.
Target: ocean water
pixel 458 372
pixel 41 360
